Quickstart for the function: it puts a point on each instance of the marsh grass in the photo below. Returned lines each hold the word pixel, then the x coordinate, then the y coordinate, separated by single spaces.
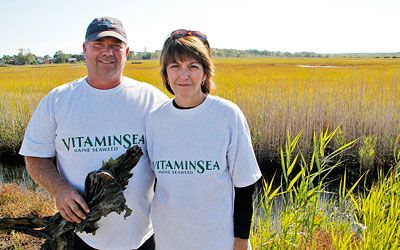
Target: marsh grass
pixel 302 214
pixel 280 98
pixel 18 201
pixel 21 88
pixel 276 95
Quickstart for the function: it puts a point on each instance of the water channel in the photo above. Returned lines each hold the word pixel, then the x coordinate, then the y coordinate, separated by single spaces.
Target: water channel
pixel 16 174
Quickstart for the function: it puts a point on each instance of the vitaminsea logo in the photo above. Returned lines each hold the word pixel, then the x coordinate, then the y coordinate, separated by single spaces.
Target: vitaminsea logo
pixel 186 166
pixel 101 143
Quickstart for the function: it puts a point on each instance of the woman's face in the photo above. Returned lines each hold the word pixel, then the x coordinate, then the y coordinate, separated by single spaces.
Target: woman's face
pixel 185 78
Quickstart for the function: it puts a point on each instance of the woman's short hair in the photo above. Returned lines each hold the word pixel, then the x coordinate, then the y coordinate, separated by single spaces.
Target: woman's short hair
pixel 183 48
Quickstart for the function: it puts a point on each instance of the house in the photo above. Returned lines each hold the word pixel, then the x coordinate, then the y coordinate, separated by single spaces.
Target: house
pixel 48 60
pixel 39 60
pixel 72 60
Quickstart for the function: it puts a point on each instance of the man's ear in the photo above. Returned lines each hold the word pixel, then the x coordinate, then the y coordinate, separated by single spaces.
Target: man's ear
pixel 127 51
pixel 84 49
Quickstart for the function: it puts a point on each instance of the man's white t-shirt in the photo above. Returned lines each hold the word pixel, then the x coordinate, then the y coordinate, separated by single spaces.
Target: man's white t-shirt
pixel 198 156
pixel 82 127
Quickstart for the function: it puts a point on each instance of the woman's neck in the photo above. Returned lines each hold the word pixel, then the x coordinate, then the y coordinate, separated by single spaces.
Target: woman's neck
pixel 190 102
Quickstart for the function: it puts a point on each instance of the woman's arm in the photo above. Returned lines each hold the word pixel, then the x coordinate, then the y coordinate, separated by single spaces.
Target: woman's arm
pixel 243 211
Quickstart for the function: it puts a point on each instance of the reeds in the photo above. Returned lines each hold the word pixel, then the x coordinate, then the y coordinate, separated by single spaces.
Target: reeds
pixel 21 88
pixel 276 95
pixel 301 214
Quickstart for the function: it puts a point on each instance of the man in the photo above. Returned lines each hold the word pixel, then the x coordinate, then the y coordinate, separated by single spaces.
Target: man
pixel 84 123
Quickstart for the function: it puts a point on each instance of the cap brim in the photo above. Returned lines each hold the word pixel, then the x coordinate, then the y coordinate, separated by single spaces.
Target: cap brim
pixel 94 37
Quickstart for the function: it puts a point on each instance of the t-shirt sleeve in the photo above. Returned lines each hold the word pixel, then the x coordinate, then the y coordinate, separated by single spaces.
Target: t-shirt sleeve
pixel 149 131
pixel 159 98
pixel 39 138
pixel 242 162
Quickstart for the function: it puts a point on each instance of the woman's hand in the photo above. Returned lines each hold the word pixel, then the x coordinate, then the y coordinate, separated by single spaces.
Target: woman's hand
pixel 241 244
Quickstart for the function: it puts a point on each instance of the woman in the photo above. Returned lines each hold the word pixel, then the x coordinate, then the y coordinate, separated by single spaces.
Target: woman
pixel 201 154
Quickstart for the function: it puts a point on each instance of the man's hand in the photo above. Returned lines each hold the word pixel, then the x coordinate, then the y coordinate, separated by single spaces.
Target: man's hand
pixel 69 202
pixel 71 205
pixel 241 244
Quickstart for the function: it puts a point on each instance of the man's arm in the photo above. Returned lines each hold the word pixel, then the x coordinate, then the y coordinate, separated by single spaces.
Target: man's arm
pixel 69 202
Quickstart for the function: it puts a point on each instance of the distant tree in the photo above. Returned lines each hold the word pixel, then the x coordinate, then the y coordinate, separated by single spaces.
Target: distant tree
pixel 20 58
pixel 6 59
pixel 60 57
pixel 78 57
pixel 157 54
pixel 146 55
pixel 30 58
pixel 131 55
pixel 24 57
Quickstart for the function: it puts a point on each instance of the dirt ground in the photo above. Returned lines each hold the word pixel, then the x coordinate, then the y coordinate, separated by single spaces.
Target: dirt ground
pixel 13 241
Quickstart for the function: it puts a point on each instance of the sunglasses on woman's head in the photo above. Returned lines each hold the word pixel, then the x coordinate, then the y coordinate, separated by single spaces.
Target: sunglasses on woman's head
pixel 184 33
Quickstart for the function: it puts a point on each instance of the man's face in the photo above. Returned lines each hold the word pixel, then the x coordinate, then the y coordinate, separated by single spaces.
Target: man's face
pixel 105 59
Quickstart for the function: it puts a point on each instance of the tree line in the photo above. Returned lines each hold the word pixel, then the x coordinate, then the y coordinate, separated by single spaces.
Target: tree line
pixel 25 57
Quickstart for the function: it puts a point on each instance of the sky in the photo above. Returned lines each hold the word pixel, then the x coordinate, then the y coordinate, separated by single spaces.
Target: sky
pixel 321 26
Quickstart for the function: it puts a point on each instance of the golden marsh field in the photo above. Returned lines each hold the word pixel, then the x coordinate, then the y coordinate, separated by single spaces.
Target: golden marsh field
pixel 277 95
pixel 308 118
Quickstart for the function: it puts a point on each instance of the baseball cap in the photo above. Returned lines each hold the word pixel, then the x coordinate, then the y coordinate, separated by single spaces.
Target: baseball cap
pixel 106 26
